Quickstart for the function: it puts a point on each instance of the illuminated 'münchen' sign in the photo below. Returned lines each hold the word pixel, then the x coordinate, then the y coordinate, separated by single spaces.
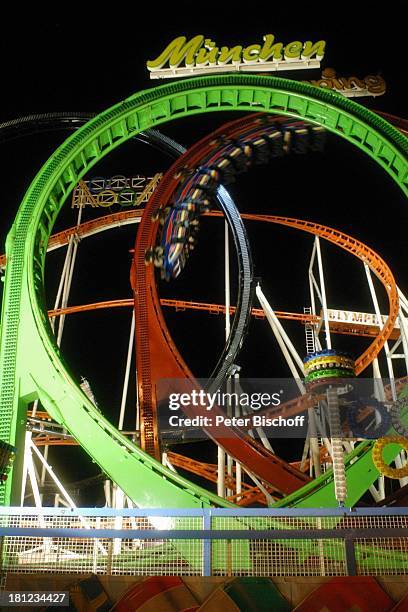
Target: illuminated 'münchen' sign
pixel 201 55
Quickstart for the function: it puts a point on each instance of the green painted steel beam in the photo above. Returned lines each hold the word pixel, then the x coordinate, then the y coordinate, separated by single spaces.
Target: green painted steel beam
pixel 31 365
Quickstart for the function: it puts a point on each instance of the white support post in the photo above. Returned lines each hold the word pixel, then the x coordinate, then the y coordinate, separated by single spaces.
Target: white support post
pixel 260 486
pixel 34 486
pixel 63 292
pixel 403 321
pixel 311 278
pixel 167 463
pixel 27 455
pixel 127 373
pixel 288 351
pixel 323 294
pixel 230 464
pixel 238 468
pixel 118 523
pixel 69 273
pixel 33 477
pixel 118 494
pixel 277 328
pixel 67 289
pixel 221 472
pixel 62 490
pixel 305 453
pixel 381 325
pixel 62 279
pixel 107 488
pixel 259 430
pixel 43 470
pixel 56 480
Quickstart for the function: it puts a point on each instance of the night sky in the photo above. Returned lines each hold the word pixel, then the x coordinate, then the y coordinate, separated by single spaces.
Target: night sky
pixel 88 65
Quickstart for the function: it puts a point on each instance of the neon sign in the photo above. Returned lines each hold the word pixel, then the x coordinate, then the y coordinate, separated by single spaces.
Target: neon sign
pixel 100 192
pixel 201 55
pixel 351 87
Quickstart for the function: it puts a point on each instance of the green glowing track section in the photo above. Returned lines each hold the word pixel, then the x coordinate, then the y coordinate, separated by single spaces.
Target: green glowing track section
pixel 30 364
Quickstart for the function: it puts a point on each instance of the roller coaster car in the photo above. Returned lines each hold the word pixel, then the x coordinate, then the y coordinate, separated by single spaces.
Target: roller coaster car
pixel 183 173
pixel 154 256
pixel 175 259
pixel 220 141
pixel 198 195
pixel 197 206
pixel 202 205
pixel 188 223
pixel 149 254
pixel 239 155
pixel 318 137
pixel 161 215
pixel 302 140
pixel 186 213
pixel 225 170
pixel 264 119
pixel 275 141
pixel 208 180
pixel 260 150
pixel 170 256
pixel 265 138
pixel 296 139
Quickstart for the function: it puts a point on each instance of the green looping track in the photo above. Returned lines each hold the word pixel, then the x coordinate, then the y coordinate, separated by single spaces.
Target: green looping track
pixel 31 366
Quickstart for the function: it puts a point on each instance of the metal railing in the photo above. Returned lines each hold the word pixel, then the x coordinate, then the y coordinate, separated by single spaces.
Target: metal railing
pixel 207 542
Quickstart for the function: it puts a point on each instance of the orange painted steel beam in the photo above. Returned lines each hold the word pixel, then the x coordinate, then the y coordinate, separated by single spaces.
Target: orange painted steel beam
pixel 180 306
pixel 157 356
pixel 365 254
pixel 93 306
pixel 88 228
pixel 94 226
pixel 48 440
pixel 252 495
pixel 39 414
pixel 336 327
pixel 163 355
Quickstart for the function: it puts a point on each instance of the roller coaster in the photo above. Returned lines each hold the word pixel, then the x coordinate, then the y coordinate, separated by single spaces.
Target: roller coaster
pixel 42 375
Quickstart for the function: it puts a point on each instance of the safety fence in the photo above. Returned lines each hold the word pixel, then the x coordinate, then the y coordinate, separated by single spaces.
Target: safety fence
pixel 205 542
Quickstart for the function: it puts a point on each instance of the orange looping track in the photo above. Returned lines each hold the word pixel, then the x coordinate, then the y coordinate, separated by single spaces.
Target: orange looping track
pixel 158 358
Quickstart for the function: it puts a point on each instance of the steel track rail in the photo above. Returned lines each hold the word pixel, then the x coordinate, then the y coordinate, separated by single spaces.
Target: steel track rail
pixel 24 319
